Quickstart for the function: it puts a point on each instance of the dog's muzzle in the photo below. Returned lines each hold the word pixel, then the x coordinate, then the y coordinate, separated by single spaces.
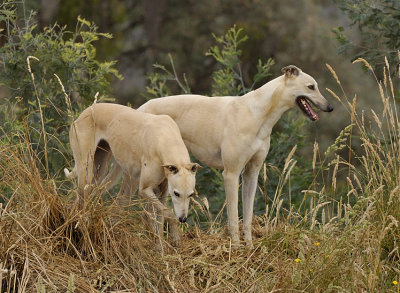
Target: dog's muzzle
pixel 304 104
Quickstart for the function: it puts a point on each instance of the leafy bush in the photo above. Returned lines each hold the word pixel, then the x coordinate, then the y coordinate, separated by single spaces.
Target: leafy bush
pixel 53 73
pixel 379 24
pixel 228 80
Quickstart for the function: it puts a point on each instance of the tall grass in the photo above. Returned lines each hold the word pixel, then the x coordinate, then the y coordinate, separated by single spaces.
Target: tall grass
pixel 344 237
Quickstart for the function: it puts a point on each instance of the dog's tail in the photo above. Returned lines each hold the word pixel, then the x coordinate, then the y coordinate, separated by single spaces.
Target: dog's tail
pixel 68 174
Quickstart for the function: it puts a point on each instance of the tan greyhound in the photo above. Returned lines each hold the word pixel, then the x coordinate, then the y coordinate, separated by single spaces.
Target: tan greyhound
pixel 148 150
pixel 233 133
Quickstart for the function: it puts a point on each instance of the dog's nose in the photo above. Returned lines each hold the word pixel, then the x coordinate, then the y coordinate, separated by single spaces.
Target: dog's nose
pixel 329 108
pixel 182 219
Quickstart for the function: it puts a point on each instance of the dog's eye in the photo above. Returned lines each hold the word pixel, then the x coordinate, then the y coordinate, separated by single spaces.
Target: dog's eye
pixel 311 87
pixel 177 194
pixel 191 195
pixel 173 169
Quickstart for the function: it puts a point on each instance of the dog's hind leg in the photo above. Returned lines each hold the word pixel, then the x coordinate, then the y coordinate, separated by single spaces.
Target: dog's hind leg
pixel 85 176
pixel 83 149
pixel 249 186
pixel 112 177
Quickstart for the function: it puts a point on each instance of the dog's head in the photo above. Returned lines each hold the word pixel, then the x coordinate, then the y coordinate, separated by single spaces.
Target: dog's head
pixel 301 89
pixel 181 186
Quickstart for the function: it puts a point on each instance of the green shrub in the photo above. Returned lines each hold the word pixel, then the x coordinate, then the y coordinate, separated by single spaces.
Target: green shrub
pixel 52 73
pixel 379 25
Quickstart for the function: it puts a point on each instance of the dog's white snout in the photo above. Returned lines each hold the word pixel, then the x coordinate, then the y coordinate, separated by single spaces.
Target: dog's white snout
pixel 322 103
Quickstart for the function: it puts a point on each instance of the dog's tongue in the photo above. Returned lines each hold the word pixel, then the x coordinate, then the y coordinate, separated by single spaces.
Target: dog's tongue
pixel 313 115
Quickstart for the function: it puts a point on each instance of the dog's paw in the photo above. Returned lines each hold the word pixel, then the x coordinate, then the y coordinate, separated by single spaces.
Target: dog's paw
pixel 175 240
pixel 249 244
pixel 235 244
pixel 235 241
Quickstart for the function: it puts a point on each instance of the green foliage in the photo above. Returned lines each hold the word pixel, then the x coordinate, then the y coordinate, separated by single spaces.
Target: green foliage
pixel 158 81
pixel 379 23
pixel 53 73
pixel 229 79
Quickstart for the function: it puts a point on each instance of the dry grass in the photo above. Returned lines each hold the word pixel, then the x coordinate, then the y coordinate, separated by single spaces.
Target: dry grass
pixel 346 239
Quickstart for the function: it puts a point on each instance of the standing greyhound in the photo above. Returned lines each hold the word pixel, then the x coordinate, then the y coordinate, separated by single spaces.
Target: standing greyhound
pixel 233 133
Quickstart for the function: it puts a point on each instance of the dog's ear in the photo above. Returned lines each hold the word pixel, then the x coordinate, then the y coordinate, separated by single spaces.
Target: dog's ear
pixel 171 168
pixel 291 71
pixel 193 167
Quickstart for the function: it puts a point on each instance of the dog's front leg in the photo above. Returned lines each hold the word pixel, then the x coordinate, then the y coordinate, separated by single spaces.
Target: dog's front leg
pixel 112 177
pixel 231 181
pixel 148 193
pixel 164 200
pixel 155 217
pixel 85 180
pixel 249 186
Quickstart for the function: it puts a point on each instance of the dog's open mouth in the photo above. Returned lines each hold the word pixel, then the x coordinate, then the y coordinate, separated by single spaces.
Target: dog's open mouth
pixel 304 105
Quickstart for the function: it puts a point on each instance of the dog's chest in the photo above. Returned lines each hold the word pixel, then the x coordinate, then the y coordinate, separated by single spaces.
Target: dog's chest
pixel 265 131
pixel 211 156
pixel 255 146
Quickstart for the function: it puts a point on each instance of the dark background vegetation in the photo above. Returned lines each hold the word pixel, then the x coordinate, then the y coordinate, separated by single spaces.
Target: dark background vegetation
pixel 145 32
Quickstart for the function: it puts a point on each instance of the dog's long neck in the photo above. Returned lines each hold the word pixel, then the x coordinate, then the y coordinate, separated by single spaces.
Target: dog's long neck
pixel 267 103
pixel 175 154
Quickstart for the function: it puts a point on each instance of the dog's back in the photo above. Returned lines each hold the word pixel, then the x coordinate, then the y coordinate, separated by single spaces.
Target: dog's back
pixel 146 135
pixel 100 115
pixel 201 121
pixel 87 131
pixel 129 135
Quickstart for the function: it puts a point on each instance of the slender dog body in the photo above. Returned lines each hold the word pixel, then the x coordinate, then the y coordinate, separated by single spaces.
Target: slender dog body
pixel 233 133
pixel 147 148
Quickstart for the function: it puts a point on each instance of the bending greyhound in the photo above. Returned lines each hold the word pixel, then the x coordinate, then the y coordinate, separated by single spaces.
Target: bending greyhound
pixel 148 150
pixel 233 133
